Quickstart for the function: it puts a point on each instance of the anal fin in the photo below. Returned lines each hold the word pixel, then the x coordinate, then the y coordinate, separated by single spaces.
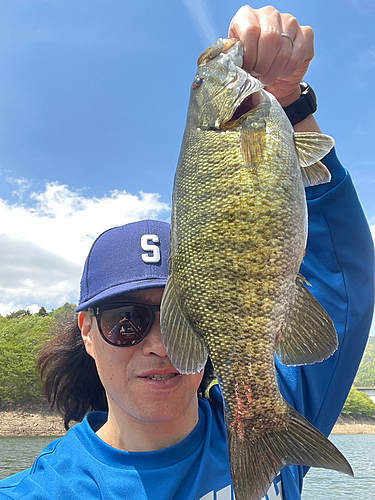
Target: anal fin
pixel 311 147
pixel 184 346
pixel 310 335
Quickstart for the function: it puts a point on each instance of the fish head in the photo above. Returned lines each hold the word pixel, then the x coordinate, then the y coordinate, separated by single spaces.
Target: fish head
pixel 221 85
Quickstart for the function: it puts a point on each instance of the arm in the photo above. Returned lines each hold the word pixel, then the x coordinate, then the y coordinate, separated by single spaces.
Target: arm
pixel 339 263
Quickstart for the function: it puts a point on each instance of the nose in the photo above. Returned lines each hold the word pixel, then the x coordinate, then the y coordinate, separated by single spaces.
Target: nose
pixel 152 343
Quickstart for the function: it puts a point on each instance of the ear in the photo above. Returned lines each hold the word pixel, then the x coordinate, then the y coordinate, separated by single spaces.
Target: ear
pixel 84 324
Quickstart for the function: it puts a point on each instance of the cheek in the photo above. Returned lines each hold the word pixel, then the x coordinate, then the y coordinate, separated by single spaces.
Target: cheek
pixel 195 380
pixel 111 362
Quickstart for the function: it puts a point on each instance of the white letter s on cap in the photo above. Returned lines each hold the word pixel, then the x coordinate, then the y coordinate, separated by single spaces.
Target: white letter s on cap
pixel 150 247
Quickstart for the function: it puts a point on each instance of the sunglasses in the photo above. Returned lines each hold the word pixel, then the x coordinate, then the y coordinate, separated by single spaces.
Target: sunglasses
pixel 124 324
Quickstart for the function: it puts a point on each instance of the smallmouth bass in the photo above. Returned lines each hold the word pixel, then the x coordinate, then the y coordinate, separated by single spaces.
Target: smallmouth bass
pixel 234 292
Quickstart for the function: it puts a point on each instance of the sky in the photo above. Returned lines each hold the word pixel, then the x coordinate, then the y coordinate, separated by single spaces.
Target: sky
pixel 93 99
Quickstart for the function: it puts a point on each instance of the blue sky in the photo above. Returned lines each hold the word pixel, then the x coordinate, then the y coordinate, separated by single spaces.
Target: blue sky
pixel 93 98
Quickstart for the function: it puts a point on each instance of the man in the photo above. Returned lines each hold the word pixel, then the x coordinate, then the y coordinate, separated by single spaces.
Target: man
pixel 158 439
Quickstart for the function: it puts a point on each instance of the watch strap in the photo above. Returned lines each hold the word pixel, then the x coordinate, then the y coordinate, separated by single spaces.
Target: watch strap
pixel 304 106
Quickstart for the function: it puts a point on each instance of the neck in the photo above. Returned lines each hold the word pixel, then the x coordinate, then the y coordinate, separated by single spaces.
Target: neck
pixel 126 432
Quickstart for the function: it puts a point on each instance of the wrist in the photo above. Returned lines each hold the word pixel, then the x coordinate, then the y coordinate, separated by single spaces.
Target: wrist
pixel 291 98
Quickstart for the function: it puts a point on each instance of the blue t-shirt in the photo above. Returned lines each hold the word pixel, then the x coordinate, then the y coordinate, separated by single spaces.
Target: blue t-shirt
pixel 339 263
pixel 81 465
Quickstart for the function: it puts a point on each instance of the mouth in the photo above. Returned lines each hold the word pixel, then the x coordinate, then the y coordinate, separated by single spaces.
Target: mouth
pixel 248 104
pixel 161 377
pixel 159 374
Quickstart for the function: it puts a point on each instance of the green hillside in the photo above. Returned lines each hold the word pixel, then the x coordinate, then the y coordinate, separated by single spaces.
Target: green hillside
pixel 366 372
pixel 22 335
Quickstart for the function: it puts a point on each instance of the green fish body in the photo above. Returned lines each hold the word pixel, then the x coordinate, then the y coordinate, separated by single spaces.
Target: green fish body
pixel 234 293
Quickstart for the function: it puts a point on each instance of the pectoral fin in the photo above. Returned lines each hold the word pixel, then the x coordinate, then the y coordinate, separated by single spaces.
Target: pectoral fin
pixel 184 346
pixel 311 148
pixel 252 139
pixel 310 336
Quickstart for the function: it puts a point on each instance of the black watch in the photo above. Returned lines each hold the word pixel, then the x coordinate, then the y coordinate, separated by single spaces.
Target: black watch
pixel 302 107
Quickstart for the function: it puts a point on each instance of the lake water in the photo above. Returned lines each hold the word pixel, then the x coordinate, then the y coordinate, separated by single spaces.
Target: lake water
pixel 359 450
pixel 18 453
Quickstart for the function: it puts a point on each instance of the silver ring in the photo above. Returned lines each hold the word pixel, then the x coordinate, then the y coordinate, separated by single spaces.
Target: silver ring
pixel 288 36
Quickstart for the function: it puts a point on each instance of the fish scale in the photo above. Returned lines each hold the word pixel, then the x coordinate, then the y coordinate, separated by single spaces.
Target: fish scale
pixel 238 234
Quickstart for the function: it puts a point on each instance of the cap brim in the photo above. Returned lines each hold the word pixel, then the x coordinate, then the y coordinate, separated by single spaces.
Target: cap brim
pixel 122 289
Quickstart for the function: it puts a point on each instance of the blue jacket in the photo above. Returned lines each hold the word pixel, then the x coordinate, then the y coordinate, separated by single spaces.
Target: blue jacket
pixel 339 263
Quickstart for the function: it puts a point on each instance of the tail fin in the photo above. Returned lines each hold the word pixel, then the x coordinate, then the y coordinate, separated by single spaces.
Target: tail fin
pixel 256 461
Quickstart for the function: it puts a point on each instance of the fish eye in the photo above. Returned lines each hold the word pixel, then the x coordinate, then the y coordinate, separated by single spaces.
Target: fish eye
pixel 197 82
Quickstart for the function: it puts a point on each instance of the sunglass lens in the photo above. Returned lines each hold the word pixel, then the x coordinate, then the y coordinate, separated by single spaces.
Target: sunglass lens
pixel 125 325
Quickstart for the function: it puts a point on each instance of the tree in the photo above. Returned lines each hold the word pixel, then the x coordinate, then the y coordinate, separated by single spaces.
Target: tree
pixel 65 311
pixel 366 372
pixel 42 311
pixel 19 314
pixel 21 338
pixel 358 404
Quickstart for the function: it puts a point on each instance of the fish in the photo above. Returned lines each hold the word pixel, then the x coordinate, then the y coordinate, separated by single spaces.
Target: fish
pixel 234 292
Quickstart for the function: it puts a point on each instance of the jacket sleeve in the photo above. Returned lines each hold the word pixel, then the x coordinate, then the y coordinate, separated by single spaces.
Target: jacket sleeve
pixel 339 263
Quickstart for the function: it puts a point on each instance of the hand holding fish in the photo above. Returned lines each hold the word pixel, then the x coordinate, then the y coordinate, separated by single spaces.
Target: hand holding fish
pixel 279 61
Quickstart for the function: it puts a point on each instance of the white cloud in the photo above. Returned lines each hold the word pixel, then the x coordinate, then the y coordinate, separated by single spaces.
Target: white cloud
pixel 43 246
pixel 200 16
pixel 23 185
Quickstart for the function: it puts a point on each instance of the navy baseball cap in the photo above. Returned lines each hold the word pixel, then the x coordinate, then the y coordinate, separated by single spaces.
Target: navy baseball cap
pixel 124 259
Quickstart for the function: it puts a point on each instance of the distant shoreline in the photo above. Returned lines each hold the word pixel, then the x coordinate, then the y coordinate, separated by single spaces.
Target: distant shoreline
pixel 350 425
pixel 44 422
pixel 31 422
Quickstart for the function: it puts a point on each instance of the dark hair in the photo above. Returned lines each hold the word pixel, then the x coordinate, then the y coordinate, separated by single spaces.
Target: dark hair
pixel 70 380
pixel 69 376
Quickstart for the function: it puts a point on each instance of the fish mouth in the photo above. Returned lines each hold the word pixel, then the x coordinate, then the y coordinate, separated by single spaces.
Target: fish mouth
pixel 249 97
pixel 249 103
pixel 234 91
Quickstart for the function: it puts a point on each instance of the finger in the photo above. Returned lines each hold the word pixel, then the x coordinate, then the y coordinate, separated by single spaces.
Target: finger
pixel 245 27
pixel 289 30
pixel 303 51
pixel 270 40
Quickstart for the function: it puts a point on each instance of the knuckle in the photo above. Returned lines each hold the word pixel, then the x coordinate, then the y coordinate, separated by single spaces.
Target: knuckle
pixel 243 24
pixel 292 23
pixel 310 33
pixel 244 10
pixel 268 9
pixel 252 31
pixel 271 37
